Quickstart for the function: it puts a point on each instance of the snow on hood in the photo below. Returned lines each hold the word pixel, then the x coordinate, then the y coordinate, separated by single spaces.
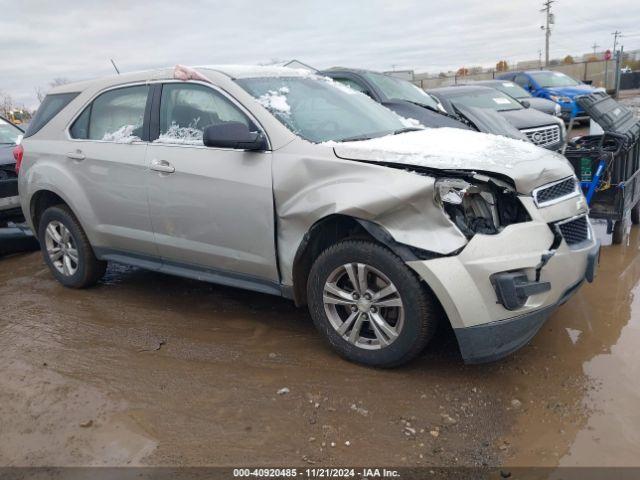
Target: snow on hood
pixel 455 149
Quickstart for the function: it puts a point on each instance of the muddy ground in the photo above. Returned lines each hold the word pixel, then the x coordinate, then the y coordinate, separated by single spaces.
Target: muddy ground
pixel 147 369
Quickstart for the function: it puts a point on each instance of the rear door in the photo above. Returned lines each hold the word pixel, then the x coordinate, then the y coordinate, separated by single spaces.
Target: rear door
pixel 211 208
pixel 107 156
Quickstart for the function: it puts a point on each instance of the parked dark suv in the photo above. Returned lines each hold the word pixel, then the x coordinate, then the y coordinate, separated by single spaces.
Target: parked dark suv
pixel 541 129
pixel 401 96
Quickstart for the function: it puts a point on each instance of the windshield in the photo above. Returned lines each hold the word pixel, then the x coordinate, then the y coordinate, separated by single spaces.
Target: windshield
pixel 8 133
pixel 489 98
pixel 319 109
pixel 553 79
pixel 512 89
pixel 397 89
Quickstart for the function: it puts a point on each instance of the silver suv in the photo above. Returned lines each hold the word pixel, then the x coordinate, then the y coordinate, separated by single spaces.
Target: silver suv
pixel 287 183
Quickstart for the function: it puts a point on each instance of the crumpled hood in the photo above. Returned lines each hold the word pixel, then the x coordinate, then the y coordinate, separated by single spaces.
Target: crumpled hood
pixel 571 91
pixel 453 149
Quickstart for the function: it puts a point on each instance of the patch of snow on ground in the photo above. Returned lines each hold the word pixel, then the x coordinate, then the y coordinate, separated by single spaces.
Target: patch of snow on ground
pixel 276 101
pixel 181 135
pixel 122 135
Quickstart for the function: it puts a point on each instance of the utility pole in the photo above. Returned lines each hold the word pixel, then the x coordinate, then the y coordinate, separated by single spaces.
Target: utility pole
pixel 547 29
pixel 617 34
pixel 540 59
pixel 594 46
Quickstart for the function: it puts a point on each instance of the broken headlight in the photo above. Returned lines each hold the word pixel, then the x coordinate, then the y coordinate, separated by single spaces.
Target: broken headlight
pixel 473 208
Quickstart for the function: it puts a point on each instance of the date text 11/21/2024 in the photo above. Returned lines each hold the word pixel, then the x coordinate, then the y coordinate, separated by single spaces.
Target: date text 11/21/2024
pixel 316 473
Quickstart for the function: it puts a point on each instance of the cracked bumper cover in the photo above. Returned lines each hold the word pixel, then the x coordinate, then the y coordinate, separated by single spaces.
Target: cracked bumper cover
pixel 485 329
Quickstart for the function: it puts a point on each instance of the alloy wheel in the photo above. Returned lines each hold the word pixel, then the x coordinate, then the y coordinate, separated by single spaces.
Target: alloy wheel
pixel 363 306
pixel 61 248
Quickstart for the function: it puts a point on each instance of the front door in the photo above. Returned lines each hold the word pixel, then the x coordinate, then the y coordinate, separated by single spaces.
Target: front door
pixel 211 208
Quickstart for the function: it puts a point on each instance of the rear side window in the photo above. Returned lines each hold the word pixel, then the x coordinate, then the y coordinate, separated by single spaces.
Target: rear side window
pixel 50 107
pixel 114 116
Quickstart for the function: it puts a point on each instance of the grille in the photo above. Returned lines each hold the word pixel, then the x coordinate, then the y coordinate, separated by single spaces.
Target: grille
pixel 555 191
pixel 574 231
pixel 543 136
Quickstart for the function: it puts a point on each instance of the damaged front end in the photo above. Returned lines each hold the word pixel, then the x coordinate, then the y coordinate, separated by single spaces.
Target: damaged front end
pixel 483 205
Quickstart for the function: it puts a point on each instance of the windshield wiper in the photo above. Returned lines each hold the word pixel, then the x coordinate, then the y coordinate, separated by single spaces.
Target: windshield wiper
pixel 424 105
pixel 406 129
pixel 356 138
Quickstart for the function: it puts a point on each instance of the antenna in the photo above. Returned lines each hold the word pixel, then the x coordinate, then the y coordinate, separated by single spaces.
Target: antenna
pixel 114 66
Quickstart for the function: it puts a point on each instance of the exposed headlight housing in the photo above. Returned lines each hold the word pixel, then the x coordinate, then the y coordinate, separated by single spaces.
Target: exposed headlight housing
pixel 483 207
pixel 472 208
pixel 557 110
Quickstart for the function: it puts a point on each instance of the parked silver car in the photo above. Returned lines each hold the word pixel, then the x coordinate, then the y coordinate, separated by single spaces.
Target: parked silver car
pixel 283 182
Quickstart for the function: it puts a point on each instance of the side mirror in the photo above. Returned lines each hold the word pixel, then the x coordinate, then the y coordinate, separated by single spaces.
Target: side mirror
pixel 525 103
pixel 233 135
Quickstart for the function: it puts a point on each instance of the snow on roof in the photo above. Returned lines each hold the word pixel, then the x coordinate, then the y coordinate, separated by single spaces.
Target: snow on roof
pixel 251 71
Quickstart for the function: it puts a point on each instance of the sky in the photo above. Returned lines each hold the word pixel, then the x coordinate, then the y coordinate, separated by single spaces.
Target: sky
pixel 44 40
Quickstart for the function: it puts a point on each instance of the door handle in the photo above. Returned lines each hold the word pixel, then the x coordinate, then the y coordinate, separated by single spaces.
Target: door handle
pixel 77 155
pixel 162 166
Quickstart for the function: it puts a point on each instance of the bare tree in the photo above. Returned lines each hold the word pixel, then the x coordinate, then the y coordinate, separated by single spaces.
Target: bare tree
pixel 40 94
pixel 6 104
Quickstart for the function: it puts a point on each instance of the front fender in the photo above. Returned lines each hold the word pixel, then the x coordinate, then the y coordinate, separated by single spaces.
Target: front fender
pixel 308 188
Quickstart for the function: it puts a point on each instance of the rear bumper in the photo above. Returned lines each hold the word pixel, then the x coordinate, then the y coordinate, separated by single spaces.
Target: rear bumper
pixel 496 340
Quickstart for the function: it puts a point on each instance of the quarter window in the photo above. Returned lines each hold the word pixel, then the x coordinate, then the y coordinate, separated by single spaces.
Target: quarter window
pixel 115 116
pixel 187 109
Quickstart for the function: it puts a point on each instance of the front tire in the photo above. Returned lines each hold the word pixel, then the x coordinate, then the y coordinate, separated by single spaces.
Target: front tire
pixel 369 306
pixel 66 249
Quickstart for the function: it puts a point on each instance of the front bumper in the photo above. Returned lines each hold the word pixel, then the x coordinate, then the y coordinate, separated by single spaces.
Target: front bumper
pixel 569 110
pixel 495 340
pixel 485 328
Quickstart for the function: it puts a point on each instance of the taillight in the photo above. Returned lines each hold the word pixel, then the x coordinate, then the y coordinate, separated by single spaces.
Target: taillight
pixel 18 153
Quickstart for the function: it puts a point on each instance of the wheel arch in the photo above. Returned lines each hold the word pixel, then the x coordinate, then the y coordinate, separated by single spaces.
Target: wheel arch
pixel 332 229
pixel 40 201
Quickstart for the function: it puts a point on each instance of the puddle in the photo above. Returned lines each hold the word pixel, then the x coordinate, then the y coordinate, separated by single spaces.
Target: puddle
pixel 595 422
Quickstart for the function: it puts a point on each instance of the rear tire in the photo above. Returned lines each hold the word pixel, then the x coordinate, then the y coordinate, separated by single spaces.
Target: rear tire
pixel 66 249
pixel 392 327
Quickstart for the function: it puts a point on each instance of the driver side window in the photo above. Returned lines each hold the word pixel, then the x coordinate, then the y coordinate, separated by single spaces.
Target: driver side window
pixel 186 109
